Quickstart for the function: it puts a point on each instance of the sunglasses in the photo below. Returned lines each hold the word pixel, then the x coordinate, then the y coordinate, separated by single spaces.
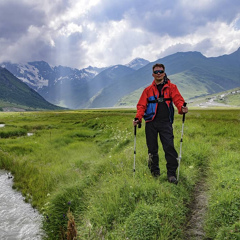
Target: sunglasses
pixel 158 71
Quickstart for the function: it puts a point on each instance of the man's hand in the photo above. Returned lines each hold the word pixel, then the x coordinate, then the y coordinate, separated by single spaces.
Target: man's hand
pixel 135 122
pixel 184 109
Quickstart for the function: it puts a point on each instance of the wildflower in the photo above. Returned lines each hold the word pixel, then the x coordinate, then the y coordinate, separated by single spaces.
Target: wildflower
pixel 89 225
pixel 69 202
pixel 47 218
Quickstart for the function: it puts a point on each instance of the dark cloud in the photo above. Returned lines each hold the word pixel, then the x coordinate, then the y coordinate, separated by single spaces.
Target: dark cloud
pixel 15 19
pixel 17 16
pixel 112 10
pixel 175 18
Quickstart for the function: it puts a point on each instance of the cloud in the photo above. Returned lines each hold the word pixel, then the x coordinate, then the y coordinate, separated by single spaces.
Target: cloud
pixel 104 32
pixel 178 18
pixel 14 19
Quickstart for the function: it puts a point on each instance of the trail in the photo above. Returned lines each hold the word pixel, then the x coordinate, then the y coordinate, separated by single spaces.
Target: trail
pixel 194 229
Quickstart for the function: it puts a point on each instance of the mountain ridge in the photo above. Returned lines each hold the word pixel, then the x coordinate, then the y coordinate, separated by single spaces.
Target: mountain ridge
pixel 105 87
pixel 179 68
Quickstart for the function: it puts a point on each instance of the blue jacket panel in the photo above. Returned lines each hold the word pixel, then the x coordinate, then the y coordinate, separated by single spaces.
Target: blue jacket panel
pixel 150 111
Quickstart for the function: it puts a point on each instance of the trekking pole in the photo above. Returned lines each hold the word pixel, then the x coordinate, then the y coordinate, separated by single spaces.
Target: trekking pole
pixel 181 141
pixel 135 140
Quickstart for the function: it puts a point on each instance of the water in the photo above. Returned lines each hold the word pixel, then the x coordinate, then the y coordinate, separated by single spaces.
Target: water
pixel 18 221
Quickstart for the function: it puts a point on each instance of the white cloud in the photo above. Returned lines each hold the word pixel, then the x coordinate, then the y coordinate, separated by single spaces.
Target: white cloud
pixel 70 29
pixel 110 43
pixel 80 8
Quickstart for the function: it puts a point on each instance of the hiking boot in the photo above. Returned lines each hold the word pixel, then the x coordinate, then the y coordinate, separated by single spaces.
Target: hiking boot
pixel 173 179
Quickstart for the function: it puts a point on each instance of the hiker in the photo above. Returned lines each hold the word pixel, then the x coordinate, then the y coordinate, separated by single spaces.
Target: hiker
pixel 155 106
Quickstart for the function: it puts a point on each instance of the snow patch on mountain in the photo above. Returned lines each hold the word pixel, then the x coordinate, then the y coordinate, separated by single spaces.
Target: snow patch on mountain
pixel 137 63
pixel 31 76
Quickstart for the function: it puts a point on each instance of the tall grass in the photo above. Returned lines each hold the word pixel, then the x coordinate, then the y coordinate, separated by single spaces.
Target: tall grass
pixel 83 161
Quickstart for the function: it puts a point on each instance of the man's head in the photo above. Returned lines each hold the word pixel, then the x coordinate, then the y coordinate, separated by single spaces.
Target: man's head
pixel 158 72
pixel 158 65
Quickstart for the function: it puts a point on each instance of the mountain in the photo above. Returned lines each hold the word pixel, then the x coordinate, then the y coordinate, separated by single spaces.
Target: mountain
pixel 40 74
pixel 137 63
pixel 194 74
pixel 108 77
pixel 16 94
pixel 60 85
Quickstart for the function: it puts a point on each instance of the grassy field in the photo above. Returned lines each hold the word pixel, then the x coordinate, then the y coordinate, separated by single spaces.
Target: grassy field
pixel 79 164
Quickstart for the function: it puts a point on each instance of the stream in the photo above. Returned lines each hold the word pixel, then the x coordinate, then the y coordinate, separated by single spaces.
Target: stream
pixel 18 221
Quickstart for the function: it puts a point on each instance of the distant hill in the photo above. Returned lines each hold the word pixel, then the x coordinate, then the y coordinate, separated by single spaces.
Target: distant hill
pixel 14 94
pixel 194 74
pixel 229 98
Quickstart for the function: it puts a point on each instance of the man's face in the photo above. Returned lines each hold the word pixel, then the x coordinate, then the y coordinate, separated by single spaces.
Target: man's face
pixel 158 74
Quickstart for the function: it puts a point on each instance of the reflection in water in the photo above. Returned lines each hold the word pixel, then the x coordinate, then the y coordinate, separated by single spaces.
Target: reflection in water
pixel 18 221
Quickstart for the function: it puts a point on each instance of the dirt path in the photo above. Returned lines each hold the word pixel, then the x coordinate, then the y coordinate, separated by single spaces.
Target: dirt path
pixel 194 229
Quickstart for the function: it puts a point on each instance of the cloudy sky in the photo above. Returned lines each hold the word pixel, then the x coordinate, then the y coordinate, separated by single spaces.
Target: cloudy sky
pixel 79 33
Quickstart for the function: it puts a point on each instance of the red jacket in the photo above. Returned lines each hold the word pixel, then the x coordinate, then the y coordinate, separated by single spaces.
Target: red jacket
pixel 148 110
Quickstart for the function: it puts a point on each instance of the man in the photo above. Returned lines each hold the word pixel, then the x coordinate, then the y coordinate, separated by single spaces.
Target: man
pixel 155 106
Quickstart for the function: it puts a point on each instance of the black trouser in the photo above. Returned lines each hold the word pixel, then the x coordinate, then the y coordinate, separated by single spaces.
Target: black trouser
pixel 165 131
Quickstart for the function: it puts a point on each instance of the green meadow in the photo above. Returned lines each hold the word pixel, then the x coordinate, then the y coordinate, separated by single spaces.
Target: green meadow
pixel 79 164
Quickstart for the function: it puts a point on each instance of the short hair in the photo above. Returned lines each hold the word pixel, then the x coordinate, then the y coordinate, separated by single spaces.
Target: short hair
pixel 158 65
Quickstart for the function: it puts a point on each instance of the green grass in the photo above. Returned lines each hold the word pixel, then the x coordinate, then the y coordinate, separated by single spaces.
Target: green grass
pixel 83 160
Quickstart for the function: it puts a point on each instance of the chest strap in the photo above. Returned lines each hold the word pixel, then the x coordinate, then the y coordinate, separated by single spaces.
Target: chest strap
pixel 158 100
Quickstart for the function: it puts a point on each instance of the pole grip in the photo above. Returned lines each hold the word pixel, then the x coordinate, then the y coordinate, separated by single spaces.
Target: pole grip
pixel 139 123
pixel 135 130
pixel 183 119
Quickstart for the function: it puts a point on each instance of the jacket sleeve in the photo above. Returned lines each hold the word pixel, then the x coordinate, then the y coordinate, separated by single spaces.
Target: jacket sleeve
pixel 177 98
pixel 142 105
